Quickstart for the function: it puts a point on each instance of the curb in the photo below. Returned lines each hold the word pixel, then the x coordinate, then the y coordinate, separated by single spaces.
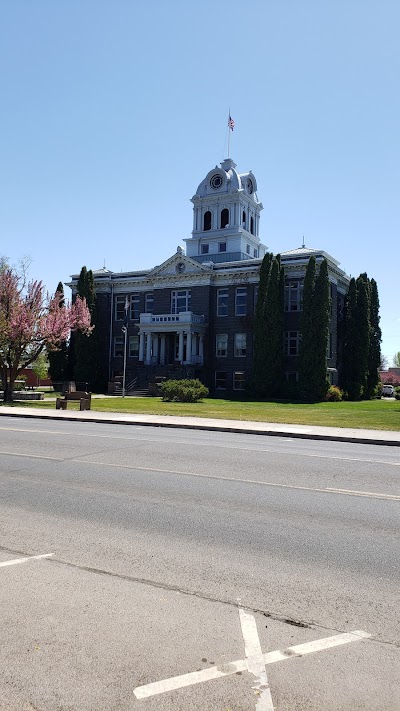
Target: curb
pixel 215 428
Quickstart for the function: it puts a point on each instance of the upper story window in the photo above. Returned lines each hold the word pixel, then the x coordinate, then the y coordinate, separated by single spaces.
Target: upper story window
pixel 221 345
pixel 224 217
pixel 291 343
pixel 252 225
pixel 255 252
pixel 294 296
pixel 120 307
pixel 222 302
pixel 207 221
pixel 240 345
pixel 149 303
pixel 222 247
pixel 135 306
pixel 205 248
pixel 180 301
pixel 241 301
pixel 244 219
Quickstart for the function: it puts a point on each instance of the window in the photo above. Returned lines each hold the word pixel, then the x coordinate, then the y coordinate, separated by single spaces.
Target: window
pixel 180 301
pixel 221 345
pixel 239 381
pixel 244 219
pixel 207 221
pixel 220 380
pixel 241 301
pixel 240 345
pixel 222 302
pixel 205 248
pixel 291 343
pixel 120 307
pixel 294 296
pixel 222 247
pixel 292 376
pixel 133 346
pixel 224 218
pixel 149 303
pixel 135 306
pixel 256 252
pixel 252 225
pixel 248 249
pixel 119 346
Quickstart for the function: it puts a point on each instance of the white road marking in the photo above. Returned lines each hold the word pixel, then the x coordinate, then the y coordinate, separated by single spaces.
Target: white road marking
pixel 255 660
pixel 207 444
pixel 17 561
pixel 299 650
pixel 157 470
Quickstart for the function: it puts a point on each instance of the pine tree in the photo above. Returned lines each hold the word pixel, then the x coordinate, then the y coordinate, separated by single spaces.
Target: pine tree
pixel 314 325
pixel 357 337
pixel 85 348
pixel 58 360
pixel 374 357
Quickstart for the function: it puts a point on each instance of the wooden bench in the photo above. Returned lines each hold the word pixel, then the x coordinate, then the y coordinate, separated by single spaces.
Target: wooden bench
pixel 85 400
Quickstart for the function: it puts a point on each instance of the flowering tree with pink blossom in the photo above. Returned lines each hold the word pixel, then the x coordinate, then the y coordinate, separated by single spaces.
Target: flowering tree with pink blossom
pixel 30 322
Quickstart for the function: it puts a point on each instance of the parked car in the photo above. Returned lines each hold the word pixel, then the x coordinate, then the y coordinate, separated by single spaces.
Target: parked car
pixel 388 391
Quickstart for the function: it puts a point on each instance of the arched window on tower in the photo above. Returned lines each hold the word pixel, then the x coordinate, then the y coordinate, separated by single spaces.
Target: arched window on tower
pixel 207 221
pixel 224 217
pixel 244 219
pixel 252 225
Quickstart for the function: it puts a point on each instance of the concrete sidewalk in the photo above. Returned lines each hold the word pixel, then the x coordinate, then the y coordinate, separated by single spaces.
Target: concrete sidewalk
pixel 333 434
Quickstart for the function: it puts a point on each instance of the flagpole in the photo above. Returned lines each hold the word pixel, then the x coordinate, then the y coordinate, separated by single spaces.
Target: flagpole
pixel 124 373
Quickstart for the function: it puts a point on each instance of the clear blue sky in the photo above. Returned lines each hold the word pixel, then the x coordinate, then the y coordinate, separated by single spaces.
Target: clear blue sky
pixel 113 111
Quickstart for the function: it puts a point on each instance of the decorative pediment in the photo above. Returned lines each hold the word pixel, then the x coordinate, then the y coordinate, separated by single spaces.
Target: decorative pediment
pixel 179 264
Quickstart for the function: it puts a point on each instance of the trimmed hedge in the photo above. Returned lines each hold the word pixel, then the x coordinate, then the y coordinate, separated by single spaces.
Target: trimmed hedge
pixel 183 390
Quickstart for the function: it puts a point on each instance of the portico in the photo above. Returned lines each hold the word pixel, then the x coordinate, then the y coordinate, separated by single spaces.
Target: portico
pixel 171 338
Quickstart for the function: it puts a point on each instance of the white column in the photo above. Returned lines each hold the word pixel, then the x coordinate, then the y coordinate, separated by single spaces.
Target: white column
pixel 162 349
pixel 148 348
pixel 201 348
pixel 180 349
pixel 188 347
pixel 141 346
pixel 155 348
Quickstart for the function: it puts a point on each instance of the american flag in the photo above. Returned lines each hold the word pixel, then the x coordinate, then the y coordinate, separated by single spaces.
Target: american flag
pixel 231 123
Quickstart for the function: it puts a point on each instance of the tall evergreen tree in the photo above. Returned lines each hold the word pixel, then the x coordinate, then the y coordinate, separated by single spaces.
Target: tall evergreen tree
pixel 357 337
pixel 314 327
pixel 85 347
pixel 58 360
pixel 349 375
pixel 374 357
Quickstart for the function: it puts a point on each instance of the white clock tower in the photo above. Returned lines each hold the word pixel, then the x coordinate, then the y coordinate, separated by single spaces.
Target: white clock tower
pixel 226 217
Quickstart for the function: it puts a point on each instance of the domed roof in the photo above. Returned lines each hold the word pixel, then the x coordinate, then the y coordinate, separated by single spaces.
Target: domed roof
pixel 226 179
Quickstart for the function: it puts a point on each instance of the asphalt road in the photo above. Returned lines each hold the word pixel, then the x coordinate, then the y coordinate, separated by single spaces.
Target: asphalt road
pixel 160 537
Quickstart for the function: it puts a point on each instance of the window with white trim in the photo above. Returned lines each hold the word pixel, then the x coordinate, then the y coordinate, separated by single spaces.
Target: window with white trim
pixel 222 302
pixel 221 345
pixel 120 307
pixel 239 380
pixel 220 379
pixel 149 303
pixel 291 343
pixel 240 345
pixel 221 246
pixel 294 296
pixel 205 248
pixel 135 306
pixel 133 346
pixel 119 346
pixel 241 301
pixel 180 301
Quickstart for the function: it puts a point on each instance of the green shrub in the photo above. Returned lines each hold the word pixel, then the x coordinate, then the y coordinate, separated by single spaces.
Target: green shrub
pixel 334 394
pixel 397 392
pixel 183 390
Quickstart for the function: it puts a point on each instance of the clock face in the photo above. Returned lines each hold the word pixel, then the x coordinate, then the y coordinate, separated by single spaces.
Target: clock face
pixel 216 181
pixel 180 267
pixel 250 187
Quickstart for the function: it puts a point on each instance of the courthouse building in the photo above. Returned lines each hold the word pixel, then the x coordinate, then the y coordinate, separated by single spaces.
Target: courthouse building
pixel 193 315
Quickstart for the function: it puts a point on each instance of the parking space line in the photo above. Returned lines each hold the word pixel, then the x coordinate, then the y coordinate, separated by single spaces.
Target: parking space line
pixel 17 561
pixel 255 661
pixel 279 655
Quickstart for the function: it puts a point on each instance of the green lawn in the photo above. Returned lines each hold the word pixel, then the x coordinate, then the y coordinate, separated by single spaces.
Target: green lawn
pixel 373 414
